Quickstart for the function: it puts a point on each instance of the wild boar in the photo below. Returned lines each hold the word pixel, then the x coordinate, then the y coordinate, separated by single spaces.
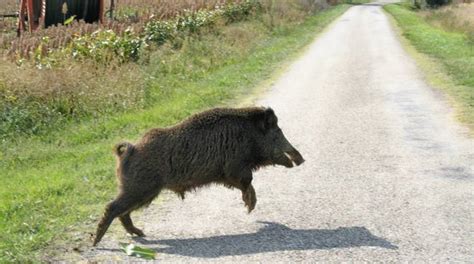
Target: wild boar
pixel 222 145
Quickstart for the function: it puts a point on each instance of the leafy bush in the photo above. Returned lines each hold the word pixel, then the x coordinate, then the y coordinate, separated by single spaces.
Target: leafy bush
pixel 237 12
pixel 158 31
pixel 104 46
pixel 192 22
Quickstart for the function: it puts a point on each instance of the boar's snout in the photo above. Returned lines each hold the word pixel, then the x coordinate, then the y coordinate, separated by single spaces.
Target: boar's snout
pixel 289 158
pixel 285 154
pixel 296 157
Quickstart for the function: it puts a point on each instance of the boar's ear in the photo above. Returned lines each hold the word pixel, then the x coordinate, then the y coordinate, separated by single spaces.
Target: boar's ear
pixel 267 120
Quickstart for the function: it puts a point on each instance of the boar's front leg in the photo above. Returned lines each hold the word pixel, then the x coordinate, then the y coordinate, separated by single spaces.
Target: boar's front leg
pixel 243 181
pixel 250 198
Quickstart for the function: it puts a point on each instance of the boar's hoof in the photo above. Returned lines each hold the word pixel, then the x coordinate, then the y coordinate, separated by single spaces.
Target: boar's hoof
pixel 250 199
pixel 137 232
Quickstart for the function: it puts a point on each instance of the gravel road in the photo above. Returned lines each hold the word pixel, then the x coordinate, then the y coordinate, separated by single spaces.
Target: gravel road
pixel 388 173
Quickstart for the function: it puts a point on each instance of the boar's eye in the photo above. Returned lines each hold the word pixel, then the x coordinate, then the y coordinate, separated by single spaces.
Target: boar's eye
pixel 270 119
pixel 267 120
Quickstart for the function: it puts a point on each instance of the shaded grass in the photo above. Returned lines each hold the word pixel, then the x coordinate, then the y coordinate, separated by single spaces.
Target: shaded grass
pixel 454 51
pixel 57 184
pixel 357 2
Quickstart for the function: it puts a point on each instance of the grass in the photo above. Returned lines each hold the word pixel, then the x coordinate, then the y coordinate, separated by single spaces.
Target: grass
pixel 451 58
pixel 56 185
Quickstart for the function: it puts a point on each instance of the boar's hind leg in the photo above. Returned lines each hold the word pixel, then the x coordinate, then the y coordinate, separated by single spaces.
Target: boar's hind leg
pixel 122 205
pixel 128 225
pixel 243 181
pixel 127 221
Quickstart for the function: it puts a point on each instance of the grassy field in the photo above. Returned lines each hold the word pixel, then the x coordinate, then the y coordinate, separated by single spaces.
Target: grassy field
pixel 450 51
pixel 54 185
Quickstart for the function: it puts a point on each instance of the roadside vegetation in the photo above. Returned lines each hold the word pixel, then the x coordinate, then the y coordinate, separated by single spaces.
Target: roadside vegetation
pixel 446 35
pixel 69 93
pixel 80 70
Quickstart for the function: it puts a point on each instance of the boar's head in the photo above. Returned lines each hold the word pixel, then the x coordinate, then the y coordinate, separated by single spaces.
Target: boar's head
pixel 272 145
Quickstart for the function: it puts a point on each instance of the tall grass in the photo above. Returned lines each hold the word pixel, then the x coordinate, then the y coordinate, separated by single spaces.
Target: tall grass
pixel 162 9
pixel 455 17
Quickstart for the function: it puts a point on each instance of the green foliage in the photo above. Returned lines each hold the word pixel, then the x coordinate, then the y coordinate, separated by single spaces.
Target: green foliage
pixel 192 22
pixel 25 115
pixel 69 20
pixel 136 251
pixel 159 31
pixel 238 12
pixel 105 46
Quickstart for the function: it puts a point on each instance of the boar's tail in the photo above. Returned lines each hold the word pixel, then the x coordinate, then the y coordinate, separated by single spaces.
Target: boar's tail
pixel 123 150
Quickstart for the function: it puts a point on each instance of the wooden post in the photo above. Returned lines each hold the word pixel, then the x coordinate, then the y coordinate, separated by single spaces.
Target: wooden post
pixel 21 18
pixel 42 14
pixel 31 15
pixel 112 8
pixel 101 11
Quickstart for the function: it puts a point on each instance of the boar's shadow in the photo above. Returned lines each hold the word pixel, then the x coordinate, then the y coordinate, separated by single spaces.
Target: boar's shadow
pixel 270 238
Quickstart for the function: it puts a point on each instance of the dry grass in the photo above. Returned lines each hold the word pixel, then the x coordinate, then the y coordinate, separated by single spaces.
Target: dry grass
pixel 8 6
pixel 8 24
pixel 455 17
pixel 95 84
pixel 162 9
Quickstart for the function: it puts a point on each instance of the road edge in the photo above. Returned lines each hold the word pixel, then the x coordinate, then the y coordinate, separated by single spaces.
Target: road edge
pixel 433 73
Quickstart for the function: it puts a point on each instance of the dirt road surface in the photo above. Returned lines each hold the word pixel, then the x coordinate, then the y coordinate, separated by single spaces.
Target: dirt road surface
pixel 388 173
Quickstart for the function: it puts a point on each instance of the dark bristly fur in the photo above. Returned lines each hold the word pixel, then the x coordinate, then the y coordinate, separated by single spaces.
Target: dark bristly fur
pixel 222 145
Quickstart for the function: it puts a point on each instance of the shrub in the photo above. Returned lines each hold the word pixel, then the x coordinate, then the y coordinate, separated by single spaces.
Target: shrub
pixel 237 12
pixel 158 31
pixel 105 46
